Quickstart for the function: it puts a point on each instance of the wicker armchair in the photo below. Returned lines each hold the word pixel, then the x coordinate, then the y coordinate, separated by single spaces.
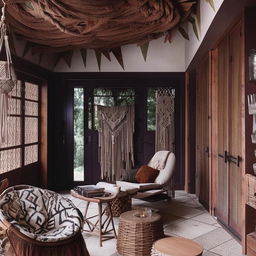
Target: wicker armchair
pixel 41 222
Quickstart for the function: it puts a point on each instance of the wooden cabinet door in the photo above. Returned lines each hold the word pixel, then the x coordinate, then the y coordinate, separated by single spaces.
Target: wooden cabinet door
pixel 222 105
pixel 228 208
pixel 202 133
pixel 235 129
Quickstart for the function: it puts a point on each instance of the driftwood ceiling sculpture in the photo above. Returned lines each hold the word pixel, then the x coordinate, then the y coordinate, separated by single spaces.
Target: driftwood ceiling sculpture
pixel 59 26
pixel 102 24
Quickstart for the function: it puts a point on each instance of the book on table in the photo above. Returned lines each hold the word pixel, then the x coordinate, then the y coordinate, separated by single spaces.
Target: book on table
pixel 90 190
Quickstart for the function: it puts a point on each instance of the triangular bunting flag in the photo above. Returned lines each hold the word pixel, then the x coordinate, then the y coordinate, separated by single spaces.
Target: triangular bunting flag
pixel 26 49
pixel 198 15
pixel 67 56
pixel 57 57
pixel 192 20
pixel 12 44
pixel 84 55
pixel 98 57
pixel 183 32
pixel 40 58
pixel 211 2
pixel 118 54
pixel 168 36
pixel 106 54
pixel 144 50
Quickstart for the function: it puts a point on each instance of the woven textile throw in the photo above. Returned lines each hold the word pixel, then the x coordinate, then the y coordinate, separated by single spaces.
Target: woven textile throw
pixel 116 128
pixel 96 24
pixel 165 129
pixel 40 214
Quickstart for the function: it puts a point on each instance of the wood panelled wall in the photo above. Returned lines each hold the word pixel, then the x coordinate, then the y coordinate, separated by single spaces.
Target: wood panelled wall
pixel 202 132
pixel 219 130
pixel 249 219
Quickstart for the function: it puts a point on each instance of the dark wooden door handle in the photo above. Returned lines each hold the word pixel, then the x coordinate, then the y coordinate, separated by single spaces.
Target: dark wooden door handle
pixel 225 156
pixel 235 160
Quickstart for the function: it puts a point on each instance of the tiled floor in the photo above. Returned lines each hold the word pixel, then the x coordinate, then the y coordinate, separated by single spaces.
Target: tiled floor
pixel 183 216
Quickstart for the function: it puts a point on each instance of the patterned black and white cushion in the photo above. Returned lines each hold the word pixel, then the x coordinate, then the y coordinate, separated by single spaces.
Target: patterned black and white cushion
pixel 40 214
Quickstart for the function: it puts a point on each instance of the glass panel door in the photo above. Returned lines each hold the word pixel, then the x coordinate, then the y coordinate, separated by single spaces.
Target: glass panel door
pixel 78 166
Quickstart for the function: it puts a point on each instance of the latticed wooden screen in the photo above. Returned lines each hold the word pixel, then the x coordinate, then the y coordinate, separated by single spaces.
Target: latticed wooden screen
pixel 21 145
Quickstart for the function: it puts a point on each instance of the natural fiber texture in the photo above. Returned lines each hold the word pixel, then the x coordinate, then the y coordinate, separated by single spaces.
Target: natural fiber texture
pixel 101 24
pixel 7 78
pixel 136 235
pixel 165 132
pixel 116 127
pixel 25 246
pixel 3 117
pixel 120 204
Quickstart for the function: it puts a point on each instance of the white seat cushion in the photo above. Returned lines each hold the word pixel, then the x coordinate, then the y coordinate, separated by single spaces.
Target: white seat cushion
pixel 140 186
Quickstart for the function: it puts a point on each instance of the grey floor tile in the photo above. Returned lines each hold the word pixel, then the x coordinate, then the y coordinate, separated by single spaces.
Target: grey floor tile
pixel 229 248
pixel 213 238
pixel 205 218
pixel 182 216
pixel 207 253
pixel 189 229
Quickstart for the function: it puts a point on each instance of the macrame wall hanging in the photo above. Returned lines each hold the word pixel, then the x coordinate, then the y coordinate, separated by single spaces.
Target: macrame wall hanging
pixel 165 129
pixel 116 128
pixel 7 78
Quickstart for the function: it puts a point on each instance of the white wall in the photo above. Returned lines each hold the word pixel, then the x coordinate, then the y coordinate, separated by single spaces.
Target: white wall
pixel 46 62
pixel 162 57
pixel 207 15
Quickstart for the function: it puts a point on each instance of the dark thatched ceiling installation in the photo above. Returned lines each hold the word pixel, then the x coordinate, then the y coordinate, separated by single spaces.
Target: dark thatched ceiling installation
pixel 60 26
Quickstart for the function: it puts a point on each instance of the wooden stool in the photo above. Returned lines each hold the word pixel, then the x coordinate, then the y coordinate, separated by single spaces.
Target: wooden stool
pixel 176 246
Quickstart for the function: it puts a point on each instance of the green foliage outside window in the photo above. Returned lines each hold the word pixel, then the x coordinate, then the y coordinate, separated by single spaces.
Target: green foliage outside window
pixel 78 134
pixel 110 97
pixel 151 109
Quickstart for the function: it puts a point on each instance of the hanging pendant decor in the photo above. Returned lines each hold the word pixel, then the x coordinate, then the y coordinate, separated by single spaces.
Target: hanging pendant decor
pixel 8 78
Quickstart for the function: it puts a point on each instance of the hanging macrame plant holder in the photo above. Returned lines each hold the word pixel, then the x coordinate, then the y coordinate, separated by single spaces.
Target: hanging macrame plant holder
pixel 8 78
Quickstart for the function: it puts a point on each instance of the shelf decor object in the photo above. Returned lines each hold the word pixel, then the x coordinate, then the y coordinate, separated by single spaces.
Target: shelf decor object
pixel 251 98
pixel 252 65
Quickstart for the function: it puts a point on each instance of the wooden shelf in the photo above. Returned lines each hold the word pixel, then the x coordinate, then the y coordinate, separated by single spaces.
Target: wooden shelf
pixel 251 190
pixel 251 244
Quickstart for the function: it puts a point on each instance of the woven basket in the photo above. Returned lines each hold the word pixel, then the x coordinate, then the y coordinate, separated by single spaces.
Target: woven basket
pixel 251 190
pixel 136 236
pixel 7 83
pixel 120 205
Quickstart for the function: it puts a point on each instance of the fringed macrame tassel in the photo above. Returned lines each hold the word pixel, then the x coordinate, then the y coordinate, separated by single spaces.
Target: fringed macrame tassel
pixel 165 129
pixel 3 117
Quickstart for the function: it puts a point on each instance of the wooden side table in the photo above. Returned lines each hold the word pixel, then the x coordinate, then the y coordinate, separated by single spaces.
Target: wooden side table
pixel 176 246
pixel 103 227
pixel 137 234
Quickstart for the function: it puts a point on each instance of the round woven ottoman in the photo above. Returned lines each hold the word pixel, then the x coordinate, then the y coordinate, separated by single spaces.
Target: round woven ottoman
pixel 176 246
pixel 137 234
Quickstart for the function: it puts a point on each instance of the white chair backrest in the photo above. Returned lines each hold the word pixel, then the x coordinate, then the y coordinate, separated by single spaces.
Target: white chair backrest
pixel 168 165
pixel 159 159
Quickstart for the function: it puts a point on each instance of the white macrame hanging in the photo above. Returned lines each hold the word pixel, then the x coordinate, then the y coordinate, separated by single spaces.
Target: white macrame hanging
pixel 165 129
pixel 8 78
pixel 116 128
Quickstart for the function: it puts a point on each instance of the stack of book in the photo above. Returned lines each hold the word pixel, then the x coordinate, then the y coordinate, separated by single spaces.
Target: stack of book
pixel 90 191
